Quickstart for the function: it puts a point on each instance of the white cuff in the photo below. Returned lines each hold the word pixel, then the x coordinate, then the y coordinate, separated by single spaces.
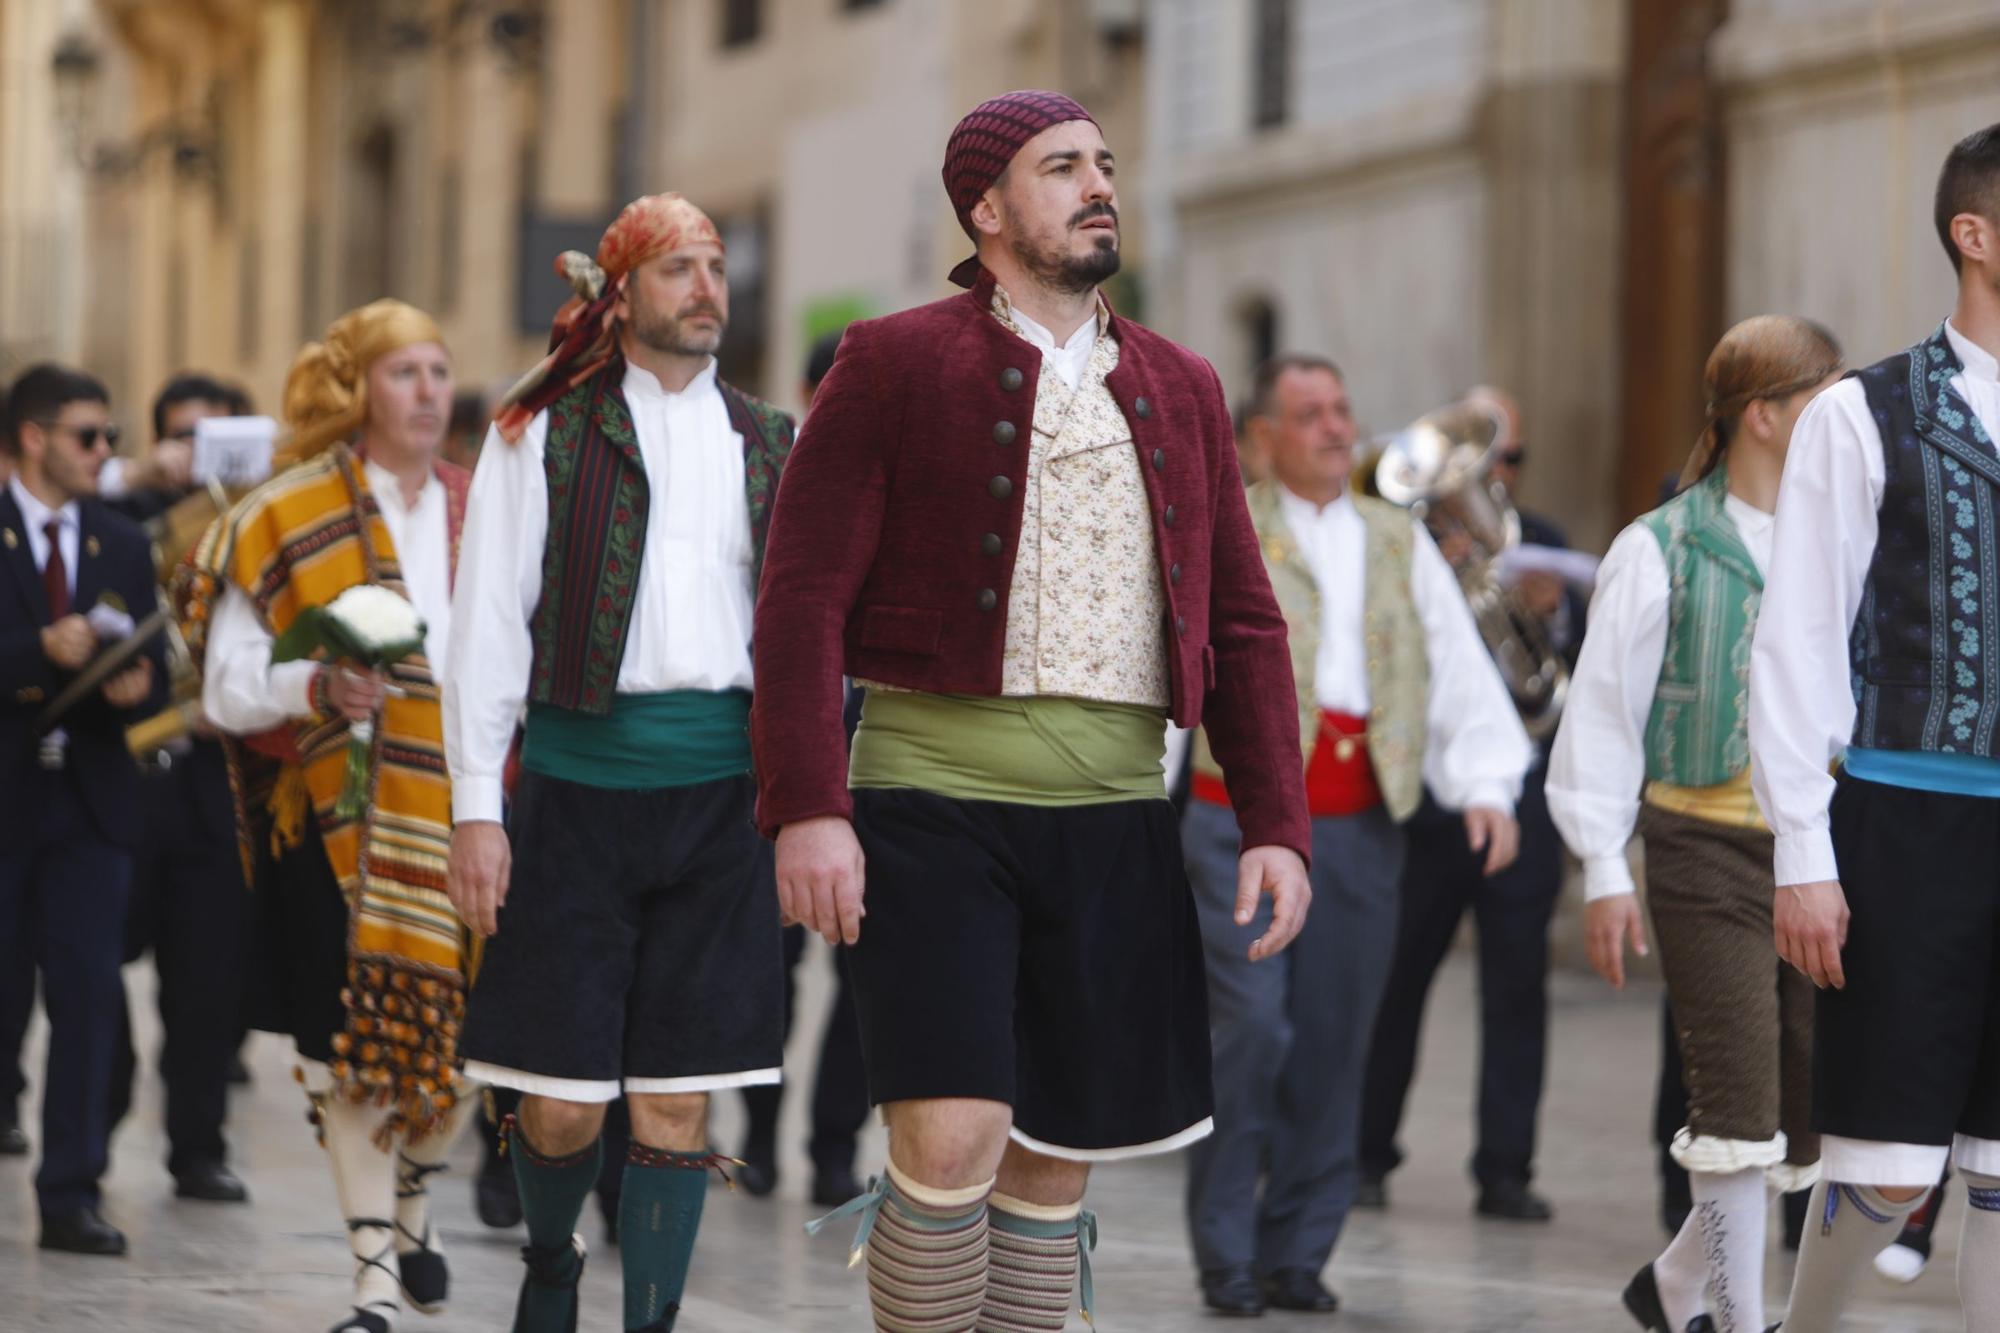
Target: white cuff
pixel 291 686
pixel 1871 1162
pixel 1721 1157
pixel 1607 877
pixel 474 799
pixel 1805 857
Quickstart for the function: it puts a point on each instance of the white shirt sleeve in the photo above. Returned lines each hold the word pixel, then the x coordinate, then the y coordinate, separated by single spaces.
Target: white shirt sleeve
pixel 499 583
pixel 242 692
pixel 1801 695
pixel 1476 753
pixel 1597 770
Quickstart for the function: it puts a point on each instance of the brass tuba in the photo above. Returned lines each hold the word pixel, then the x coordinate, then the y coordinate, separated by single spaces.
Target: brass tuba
pixel 1439 468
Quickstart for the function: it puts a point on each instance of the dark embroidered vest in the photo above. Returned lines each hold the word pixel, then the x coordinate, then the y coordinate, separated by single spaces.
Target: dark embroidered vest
pixel 1925 650
pixel 598 504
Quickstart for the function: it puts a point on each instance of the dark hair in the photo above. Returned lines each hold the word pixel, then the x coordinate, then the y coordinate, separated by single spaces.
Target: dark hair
pixel 1264 385
pixel 237 399
pixel 820 359
pixel 1969 183
pixel 43 391
pixel 186 388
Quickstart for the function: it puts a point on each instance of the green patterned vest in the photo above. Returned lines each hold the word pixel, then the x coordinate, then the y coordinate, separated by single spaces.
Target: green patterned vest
pixel 1698 735
pixel 1398 666
pixel 598 504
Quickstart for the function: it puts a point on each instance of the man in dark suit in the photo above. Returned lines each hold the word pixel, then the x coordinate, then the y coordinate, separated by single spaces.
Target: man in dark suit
pixel 188 900
pixel 71 794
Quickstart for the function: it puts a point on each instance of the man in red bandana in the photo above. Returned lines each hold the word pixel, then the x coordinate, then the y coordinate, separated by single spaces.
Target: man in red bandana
pixel 614 531
pixel 1016 519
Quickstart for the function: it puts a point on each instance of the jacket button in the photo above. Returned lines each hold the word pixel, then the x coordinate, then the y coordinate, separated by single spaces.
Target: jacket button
pixel 988 599
pixel 1003 432
pixel 1168 517
pixel 1000 488
pixel 1144 407
pixel 1010 379
pixel 990 544
pixel 1180 626
pixel 1159 460
pixel 1174 574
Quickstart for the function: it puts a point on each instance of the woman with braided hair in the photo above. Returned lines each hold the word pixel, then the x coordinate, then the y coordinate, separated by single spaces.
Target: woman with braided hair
pixel 1655 735
pixel 363 960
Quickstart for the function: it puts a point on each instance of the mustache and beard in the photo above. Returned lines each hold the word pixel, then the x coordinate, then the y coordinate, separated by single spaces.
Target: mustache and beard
pixel 1055 266
pixel 671 335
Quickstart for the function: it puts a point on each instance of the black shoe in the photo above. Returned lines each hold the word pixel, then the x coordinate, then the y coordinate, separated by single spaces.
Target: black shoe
pixel 82 1232
pixel 211 1181
pixel 1513 1201
pixel 759 1176
pixel 426 1279
pixel 1232 1291
pixel 558 1268
pixel 1642 1302
pixel 496 1196
pixel 1372 1194
pixel 833 1188
pixel 13 1139
pixel 1299 1289
pixel 362 1321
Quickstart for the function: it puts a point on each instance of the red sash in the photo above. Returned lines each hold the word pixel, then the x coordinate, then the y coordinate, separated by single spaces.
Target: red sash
pixel 1340 779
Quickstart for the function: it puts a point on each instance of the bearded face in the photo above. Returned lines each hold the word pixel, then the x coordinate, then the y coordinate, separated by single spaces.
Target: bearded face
pixel 678 303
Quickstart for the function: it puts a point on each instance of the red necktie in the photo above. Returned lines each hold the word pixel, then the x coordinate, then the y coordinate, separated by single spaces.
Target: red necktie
pixel 55 574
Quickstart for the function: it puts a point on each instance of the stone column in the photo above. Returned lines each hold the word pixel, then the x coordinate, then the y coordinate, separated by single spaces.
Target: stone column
pixel 279 181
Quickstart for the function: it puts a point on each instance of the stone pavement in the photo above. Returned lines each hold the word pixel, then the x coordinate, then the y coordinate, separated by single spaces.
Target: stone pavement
pixel 280 1265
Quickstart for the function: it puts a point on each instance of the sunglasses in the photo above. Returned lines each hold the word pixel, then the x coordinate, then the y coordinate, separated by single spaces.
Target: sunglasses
pixel 87 436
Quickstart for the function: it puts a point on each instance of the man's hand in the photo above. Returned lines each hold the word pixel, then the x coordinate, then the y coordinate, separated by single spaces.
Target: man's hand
pixel 128 689
pixel 352 694
pixel 1279 872
pixel 1541 593
pixel 1607 924
pixel 168 467
pixel 1810 924
pixel 1495 833
pixel 476 877
pixel 820 870
pixel 69 642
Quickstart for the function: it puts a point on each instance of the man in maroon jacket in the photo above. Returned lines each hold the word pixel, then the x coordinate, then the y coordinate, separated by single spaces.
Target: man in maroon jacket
pixel 1016 519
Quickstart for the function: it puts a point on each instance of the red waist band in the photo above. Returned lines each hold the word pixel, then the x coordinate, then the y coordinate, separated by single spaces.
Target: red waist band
pixel 1340 779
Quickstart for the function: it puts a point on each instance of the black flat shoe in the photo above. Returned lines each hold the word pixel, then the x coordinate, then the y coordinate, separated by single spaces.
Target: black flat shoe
pixel 13 1139
pixel 496 1197
pixel 1642 1301
pixel 1372 1195
pixel 426 1279
pixel 759 1176
pixel 1299 1289
pixel 833 1188
pixel 558 1268
pixel 362 1321
pixel 82 1232
pixel 1232 1291
pixel 212 1182
pixel 1513 1201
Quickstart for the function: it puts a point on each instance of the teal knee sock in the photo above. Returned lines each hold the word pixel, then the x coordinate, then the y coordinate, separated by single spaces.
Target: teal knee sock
pixel 552 1193
pixel 659 1214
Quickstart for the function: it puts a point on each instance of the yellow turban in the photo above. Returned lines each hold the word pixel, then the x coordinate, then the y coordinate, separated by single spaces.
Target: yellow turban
pixel 326 393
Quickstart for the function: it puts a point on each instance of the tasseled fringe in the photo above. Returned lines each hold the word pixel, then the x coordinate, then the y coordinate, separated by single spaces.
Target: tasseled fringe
pixel 639 1154
pixel 400 1049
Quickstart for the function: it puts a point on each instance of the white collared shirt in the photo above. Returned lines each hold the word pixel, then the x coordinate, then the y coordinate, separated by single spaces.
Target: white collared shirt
pixel 244 692
pixel 691 613
pixel 69 530
pixel 1475 753
pixel 1801 696
pixel 1597 770
pixel 1073 357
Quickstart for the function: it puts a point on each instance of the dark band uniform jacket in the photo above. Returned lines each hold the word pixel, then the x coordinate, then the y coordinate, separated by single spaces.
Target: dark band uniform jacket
pixel 894 534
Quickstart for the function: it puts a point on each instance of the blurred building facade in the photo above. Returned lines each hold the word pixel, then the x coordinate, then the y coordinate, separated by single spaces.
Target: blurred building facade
pixel 1570 198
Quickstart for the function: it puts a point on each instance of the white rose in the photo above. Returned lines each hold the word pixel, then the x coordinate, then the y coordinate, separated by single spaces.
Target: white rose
pixel 376 616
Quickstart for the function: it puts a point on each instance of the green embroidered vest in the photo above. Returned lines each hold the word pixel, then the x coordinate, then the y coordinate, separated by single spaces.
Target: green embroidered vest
pixel 598 503
pixel 1398 665
pixel 1698 735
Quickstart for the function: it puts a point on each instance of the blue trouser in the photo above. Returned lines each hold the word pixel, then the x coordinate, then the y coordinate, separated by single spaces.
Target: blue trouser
pixel 63 895
pixel 1291 1037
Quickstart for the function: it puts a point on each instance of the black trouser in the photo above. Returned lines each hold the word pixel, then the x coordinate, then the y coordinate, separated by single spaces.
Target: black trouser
pixel 17 1006
pixel 840 1083
pixel 191 908
pixel 1441 880
pixel 62 913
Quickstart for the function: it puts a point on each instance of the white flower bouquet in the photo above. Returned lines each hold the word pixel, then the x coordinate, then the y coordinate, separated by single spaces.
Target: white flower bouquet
pixel 371 628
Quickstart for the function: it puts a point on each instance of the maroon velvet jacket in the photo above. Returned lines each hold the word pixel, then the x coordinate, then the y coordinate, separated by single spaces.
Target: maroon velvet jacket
pixel 893 537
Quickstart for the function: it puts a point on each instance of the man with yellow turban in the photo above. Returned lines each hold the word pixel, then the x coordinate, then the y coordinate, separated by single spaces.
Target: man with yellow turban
pixel 613 542
pixel 360 956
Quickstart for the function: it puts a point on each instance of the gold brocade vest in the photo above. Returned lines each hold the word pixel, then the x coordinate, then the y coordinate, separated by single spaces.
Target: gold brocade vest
pixel 1398 665
pixel 1086 616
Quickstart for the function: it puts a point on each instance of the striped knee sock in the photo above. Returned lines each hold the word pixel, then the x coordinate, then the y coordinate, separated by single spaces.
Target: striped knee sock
pixel 927 1257
pixel 1847 1226
pixel 1034 1266
pixel 1978 1250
